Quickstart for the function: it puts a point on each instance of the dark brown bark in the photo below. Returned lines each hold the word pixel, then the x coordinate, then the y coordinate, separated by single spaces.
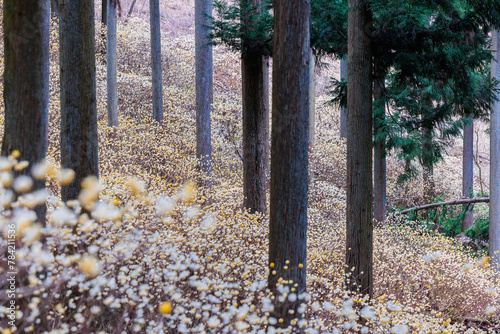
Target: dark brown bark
pixel 79 148
pixel 53 8
pixel 454 202
pixel 495 165
pixel 204 85
pixel 468 173
pixel 343 110
pixel 289 154
pixel 104 12
pixel 428 166
pixel 131 8
pixel 255 96
pixel 255 87
pixel 26 82
pixel 359 234
pixel 112 91
pixel 379 162
pixel 154 10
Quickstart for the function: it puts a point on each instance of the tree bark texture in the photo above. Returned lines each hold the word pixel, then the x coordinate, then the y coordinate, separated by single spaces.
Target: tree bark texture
pixel 26 82
pixel 379 163
pixel 428 166
pixel 289 154
pixel 255 96
pixel 112 102
pixel 312 100
pixel 495 166
pixel 154 10
pixel 204 84
pixel 131 9
pixel 104 12
pixel 79 147
pixel 343 110
pixel 468 173
pixel 255 89
pixel 53 8
pixel 359 240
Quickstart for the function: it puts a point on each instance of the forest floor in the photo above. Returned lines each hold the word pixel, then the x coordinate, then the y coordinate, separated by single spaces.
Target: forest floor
pixel 159 255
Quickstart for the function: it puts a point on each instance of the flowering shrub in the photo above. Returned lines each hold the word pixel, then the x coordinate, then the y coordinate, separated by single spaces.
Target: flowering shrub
pixel 144 250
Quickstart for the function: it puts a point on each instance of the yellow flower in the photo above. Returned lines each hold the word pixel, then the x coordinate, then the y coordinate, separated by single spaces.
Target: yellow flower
pixel 90 266
pixel 15 154
pixel 165 308
pixel 483 261
pixel 188 192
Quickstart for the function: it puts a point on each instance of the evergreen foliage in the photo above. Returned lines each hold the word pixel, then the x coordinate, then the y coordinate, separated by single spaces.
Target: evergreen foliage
pixel 244 26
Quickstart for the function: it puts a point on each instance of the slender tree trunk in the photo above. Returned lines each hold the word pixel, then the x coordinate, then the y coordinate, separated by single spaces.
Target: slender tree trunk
pixel 131 8
pixel 79 148
pixel 289 155
pixel 104 12
pixel 255 95
pixel 26 82
pixel 343 110
pixel 204 84
pixel 255 89
pixel 359 240
pixel 468 173
pixel 495 166
pixel 428 166
pixel 112 102
pixel 379 163
pixel 312 100
pixel 53 8
pixel 154 10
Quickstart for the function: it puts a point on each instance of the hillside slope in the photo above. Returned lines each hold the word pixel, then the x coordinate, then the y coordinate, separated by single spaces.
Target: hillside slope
pixel 159 255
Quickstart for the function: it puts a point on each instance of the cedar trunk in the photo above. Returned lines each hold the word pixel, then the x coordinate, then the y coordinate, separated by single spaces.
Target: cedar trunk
pixel 359 236
pixel 154 10
pixel 428 166
pixel 26 82
pixel 312 100
pixel 79 148
pixel 255 95
pixel 289 154
pixel 468 173
pixel 204 84
pixel 53 8
pixel 112 102
pixel 343 110
pixel 104 12
pixel 379 163
pixel 495 166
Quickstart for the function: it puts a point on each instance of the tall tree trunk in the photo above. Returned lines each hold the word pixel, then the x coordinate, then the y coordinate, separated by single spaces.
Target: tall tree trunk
pixel 112 102
pixel 131 8
pixel 428 166
pixel 154 10
pixel 359 234
pixel 289 154
pixel 53 8
pixel 79 147
pixel 104 12
pixel 255 96
pixel 26 82
pixel 204 85
pixel 495 166
pixel 255 89
pixel 379 163
pixel 312 100
pixel 468 173
pixel 343 110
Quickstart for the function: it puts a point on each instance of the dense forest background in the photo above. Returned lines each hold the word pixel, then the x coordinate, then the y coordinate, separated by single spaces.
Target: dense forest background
pixel 146 250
